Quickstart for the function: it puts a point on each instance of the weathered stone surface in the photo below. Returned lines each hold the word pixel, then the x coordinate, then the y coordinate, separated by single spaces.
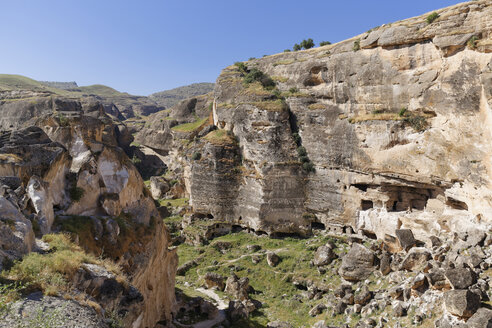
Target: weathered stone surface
pixel 357 264
pixel 54 311
pixel 159 187
pixel 279 324
pixel 214 280
pixel 323 256
pixel 416 259
pixel 272 259
pixel 16 234
pixel 461 303
pixel 406 238
pixel 481 319
pixel 237 287
pixel 460 278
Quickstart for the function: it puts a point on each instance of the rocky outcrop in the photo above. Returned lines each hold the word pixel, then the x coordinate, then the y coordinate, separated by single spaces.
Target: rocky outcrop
pixel 369 133
pixel 69 173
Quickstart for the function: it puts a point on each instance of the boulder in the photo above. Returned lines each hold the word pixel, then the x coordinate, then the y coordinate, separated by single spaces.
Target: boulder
pixel 405 238
pixel 385 264
pixel 416 259
pixel 357 264
pixel 16 234
pixel 323 256
pixel 214 280
pixel 364 296
pixel 159 187
pixel 461 303
pixel 460 278
pixel 317 310
pixel 237 288
pixel 273 259
pixel 481 319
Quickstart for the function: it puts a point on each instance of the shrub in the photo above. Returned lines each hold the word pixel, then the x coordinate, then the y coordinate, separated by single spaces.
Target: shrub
pixel 136 160
pixel 297 138
pixel 76 193
pixel 472 43
pixel 297 47
pixel 304 159
pixel 242 67
pixel 356 46
pixel 196 156
pixel 277 93
pixel 402 112
pixel 307 44
pixel 301 151
pixel 252 58
pixel 308 167
pixel 432 17
pixel 63 120
pixel 418 123
pixel 256 75
pixel 287 50
pixel 293 90
pixel 324 43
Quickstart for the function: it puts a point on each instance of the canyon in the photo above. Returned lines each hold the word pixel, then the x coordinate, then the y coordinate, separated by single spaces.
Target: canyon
pixel 343 185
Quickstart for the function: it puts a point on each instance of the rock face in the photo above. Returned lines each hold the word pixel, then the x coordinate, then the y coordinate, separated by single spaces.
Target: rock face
pixel 361 133
pixel 71 168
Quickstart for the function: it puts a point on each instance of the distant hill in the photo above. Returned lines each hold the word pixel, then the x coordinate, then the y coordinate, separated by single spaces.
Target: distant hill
pixel 171 97
pixel 60 85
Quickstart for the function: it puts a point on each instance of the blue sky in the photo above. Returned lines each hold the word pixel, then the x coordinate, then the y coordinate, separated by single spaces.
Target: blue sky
pixel 145 46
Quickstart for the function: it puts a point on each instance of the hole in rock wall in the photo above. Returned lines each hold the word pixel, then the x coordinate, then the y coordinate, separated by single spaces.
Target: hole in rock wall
pixel 236 228
pixel 400 198
pixel 366 204
pixel 318 226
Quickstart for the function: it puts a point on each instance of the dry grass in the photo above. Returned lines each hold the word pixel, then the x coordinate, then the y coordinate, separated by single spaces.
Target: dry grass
pixel 271 105
pixel 220 137
pixel 375 117
pixel 11 158
pixel 284 62
pixel 317 106
pixel 52 272
pixel 281 79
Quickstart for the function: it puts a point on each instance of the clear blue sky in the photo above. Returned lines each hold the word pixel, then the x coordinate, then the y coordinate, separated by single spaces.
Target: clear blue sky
pixel 144 46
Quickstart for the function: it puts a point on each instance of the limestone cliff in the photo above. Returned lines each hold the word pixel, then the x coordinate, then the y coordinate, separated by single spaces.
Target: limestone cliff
pixel 67 174
pixel 386 130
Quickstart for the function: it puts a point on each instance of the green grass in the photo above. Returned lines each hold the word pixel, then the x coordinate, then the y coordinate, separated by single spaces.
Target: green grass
pixel 272 283
pixel 190 127
pixel 179 202
pixel 52 272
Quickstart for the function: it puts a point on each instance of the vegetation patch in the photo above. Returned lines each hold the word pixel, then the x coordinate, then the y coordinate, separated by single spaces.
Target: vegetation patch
pixel 356 46
pixel 274 286
pixel 432 17
pixel 271 105
pixel 472 43
pixel 76 193
pixel 220 137
pixel 190 127
pixel 317 106
pixel 418 121
pixel 284 62
pixel 52 272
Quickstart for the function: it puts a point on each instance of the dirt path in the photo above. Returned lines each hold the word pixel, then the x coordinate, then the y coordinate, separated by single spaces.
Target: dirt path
pixel 221 305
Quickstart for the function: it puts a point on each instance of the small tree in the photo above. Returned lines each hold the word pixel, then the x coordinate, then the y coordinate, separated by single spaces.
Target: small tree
pixel 324 43
pixel 307 44
pixel 296 47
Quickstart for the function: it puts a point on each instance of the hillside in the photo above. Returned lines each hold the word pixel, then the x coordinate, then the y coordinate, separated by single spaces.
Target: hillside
pixel 171 97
